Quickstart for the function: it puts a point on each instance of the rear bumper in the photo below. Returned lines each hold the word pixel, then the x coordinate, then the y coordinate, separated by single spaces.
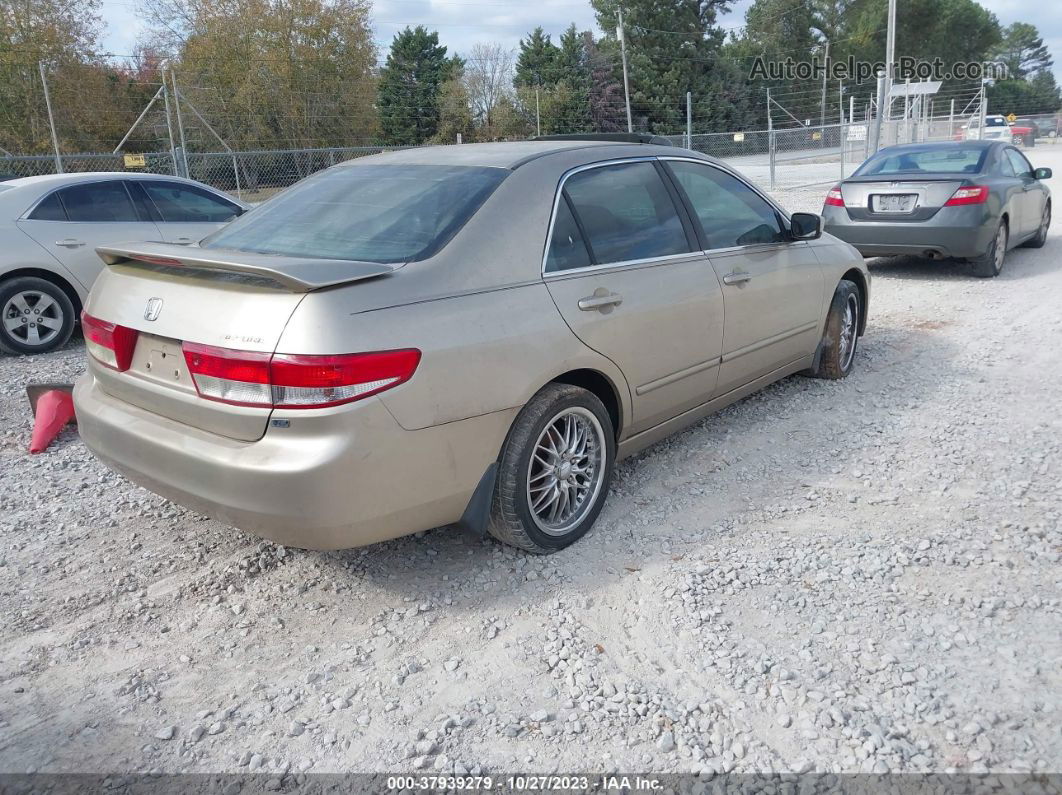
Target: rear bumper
pixel 333 479
pixel 953 232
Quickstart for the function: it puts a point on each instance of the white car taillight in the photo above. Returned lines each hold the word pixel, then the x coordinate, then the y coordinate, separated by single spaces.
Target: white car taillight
pixel 109 344
pixel 298 381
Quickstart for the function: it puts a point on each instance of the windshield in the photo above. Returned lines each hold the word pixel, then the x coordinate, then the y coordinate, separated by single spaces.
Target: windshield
pixel 371 213
pixel 968 160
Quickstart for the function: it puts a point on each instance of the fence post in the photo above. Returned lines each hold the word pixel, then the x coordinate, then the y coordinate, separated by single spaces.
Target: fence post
pixel 51 119
pixel 180 123
pixel 169 122
pixel 770 139
pixel 236 171
pixel 689 119
pixel 841 130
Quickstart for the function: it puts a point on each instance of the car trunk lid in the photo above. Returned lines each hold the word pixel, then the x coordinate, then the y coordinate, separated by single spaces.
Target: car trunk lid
pixel 906 199
pixel 170 295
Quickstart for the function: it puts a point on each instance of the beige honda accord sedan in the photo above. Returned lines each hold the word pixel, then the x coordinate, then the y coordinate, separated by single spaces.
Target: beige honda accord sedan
pixel 464 335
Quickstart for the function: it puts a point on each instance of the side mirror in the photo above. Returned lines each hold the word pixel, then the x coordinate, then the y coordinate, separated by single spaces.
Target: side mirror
pixel 1042 173
pixel 805 226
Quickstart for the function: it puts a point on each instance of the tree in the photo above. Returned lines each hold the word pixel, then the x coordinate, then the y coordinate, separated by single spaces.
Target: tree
pixel 488 76
pixel 274 73
pixel 606 104
pixel 1022 49
pixel 410 86
pixel 536 62
pixel 778 30
pixel 59 33
pixel 455 115
pixel 673 48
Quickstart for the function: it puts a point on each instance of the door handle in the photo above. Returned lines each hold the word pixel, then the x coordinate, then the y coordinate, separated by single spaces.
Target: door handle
pixel 182 241
pixel 602 302
pixel 69 243
pixel 737 277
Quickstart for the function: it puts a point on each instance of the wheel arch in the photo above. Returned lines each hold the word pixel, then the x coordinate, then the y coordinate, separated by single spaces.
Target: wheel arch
pixel 54 278
pixel 601 385
pixel 857 277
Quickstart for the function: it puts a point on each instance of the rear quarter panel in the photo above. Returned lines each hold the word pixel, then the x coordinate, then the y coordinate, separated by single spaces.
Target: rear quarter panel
pixel 482 352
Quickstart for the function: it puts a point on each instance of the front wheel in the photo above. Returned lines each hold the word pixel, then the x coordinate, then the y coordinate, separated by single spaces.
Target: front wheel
pixel 36 316
pixel 838 346
pixel 554 471
pixel 990 263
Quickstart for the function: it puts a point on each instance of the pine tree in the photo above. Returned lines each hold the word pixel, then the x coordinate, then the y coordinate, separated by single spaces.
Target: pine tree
pixel 536 62
pixel 673 48
pixel 410 87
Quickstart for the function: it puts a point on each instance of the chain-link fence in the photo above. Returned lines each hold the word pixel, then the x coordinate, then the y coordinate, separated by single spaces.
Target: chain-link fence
pixel 797 164
pixel 251 176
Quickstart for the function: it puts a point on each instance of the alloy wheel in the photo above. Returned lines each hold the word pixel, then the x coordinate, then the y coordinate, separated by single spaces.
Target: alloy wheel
pixel 32 317
pixel 566 471
pixel 847 341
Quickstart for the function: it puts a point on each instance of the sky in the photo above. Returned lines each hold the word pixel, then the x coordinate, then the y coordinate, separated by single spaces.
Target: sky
pixel 462 23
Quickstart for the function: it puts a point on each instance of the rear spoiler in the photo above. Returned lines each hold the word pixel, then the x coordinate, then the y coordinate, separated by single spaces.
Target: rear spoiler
pixel 298 274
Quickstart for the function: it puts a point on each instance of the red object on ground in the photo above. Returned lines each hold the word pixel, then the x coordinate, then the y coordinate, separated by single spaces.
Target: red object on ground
pixel 55 408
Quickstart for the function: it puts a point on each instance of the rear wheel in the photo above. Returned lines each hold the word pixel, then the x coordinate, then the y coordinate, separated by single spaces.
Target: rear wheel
pixel 1041 233
pixel 555 470
pixel 839 342
pixel 36 316
pixel 990 263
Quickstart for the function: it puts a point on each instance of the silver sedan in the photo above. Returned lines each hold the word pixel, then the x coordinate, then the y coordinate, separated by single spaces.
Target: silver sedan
pixel 50 227
pixel 972 200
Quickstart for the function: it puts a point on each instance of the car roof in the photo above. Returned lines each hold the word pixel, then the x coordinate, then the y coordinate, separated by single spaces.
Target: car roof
pixel 936 145
pixel 508 155
pixel 91 176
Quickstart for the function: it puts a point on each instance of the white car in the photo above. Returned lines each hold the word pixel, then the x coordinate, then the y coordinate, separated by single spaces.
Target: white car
pixel 996 129
pixel 51 225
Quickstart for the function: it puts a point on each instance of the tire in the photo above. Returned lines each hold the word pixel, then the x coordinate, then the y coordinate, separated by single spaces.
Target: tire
pixel 841 336
pixel 990 263
pixel 24 302
pixel 546 420
pixel 1041 234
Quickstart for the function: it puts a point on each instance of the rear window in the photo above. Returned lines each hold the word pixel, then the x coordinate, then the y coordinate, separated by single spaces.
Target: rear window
pixel 378 213
pixel 968 160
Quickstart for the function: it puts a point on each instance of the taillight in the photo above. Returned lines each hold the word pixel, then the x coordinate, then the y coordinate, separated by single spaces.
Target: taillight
pixel 299 381
pixel 834 197
pixel 109 344
pixel 976 194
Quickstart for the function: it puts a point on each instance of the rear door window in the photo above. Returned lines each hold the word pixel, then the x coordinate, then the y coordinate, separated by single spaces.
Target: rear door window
pixel 626 212
pixel 178 203
pixel 730 212
pixel 567 249
pixel 51 209
pixel 98 202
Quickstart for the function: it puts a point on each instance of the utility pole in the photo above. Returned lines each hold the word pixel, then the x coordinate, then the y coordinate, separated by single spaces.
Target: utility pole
pixel 180 124
pixel 51 119
pixel 907 110
pixel 951 121
pixel 890 56
pixel 626 83
pixel 822 105
pixel 689 119
pixel 538 116
pixel 983 111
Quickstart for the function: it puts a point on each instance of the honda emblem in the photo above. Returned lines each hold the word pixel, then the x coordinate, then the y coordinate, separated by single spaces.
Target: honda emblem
pixel 153 308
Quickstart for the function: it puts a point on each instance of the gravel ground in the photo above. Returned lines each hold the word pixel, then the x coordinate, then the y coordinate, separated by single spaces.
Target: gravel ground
pixel 839 576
